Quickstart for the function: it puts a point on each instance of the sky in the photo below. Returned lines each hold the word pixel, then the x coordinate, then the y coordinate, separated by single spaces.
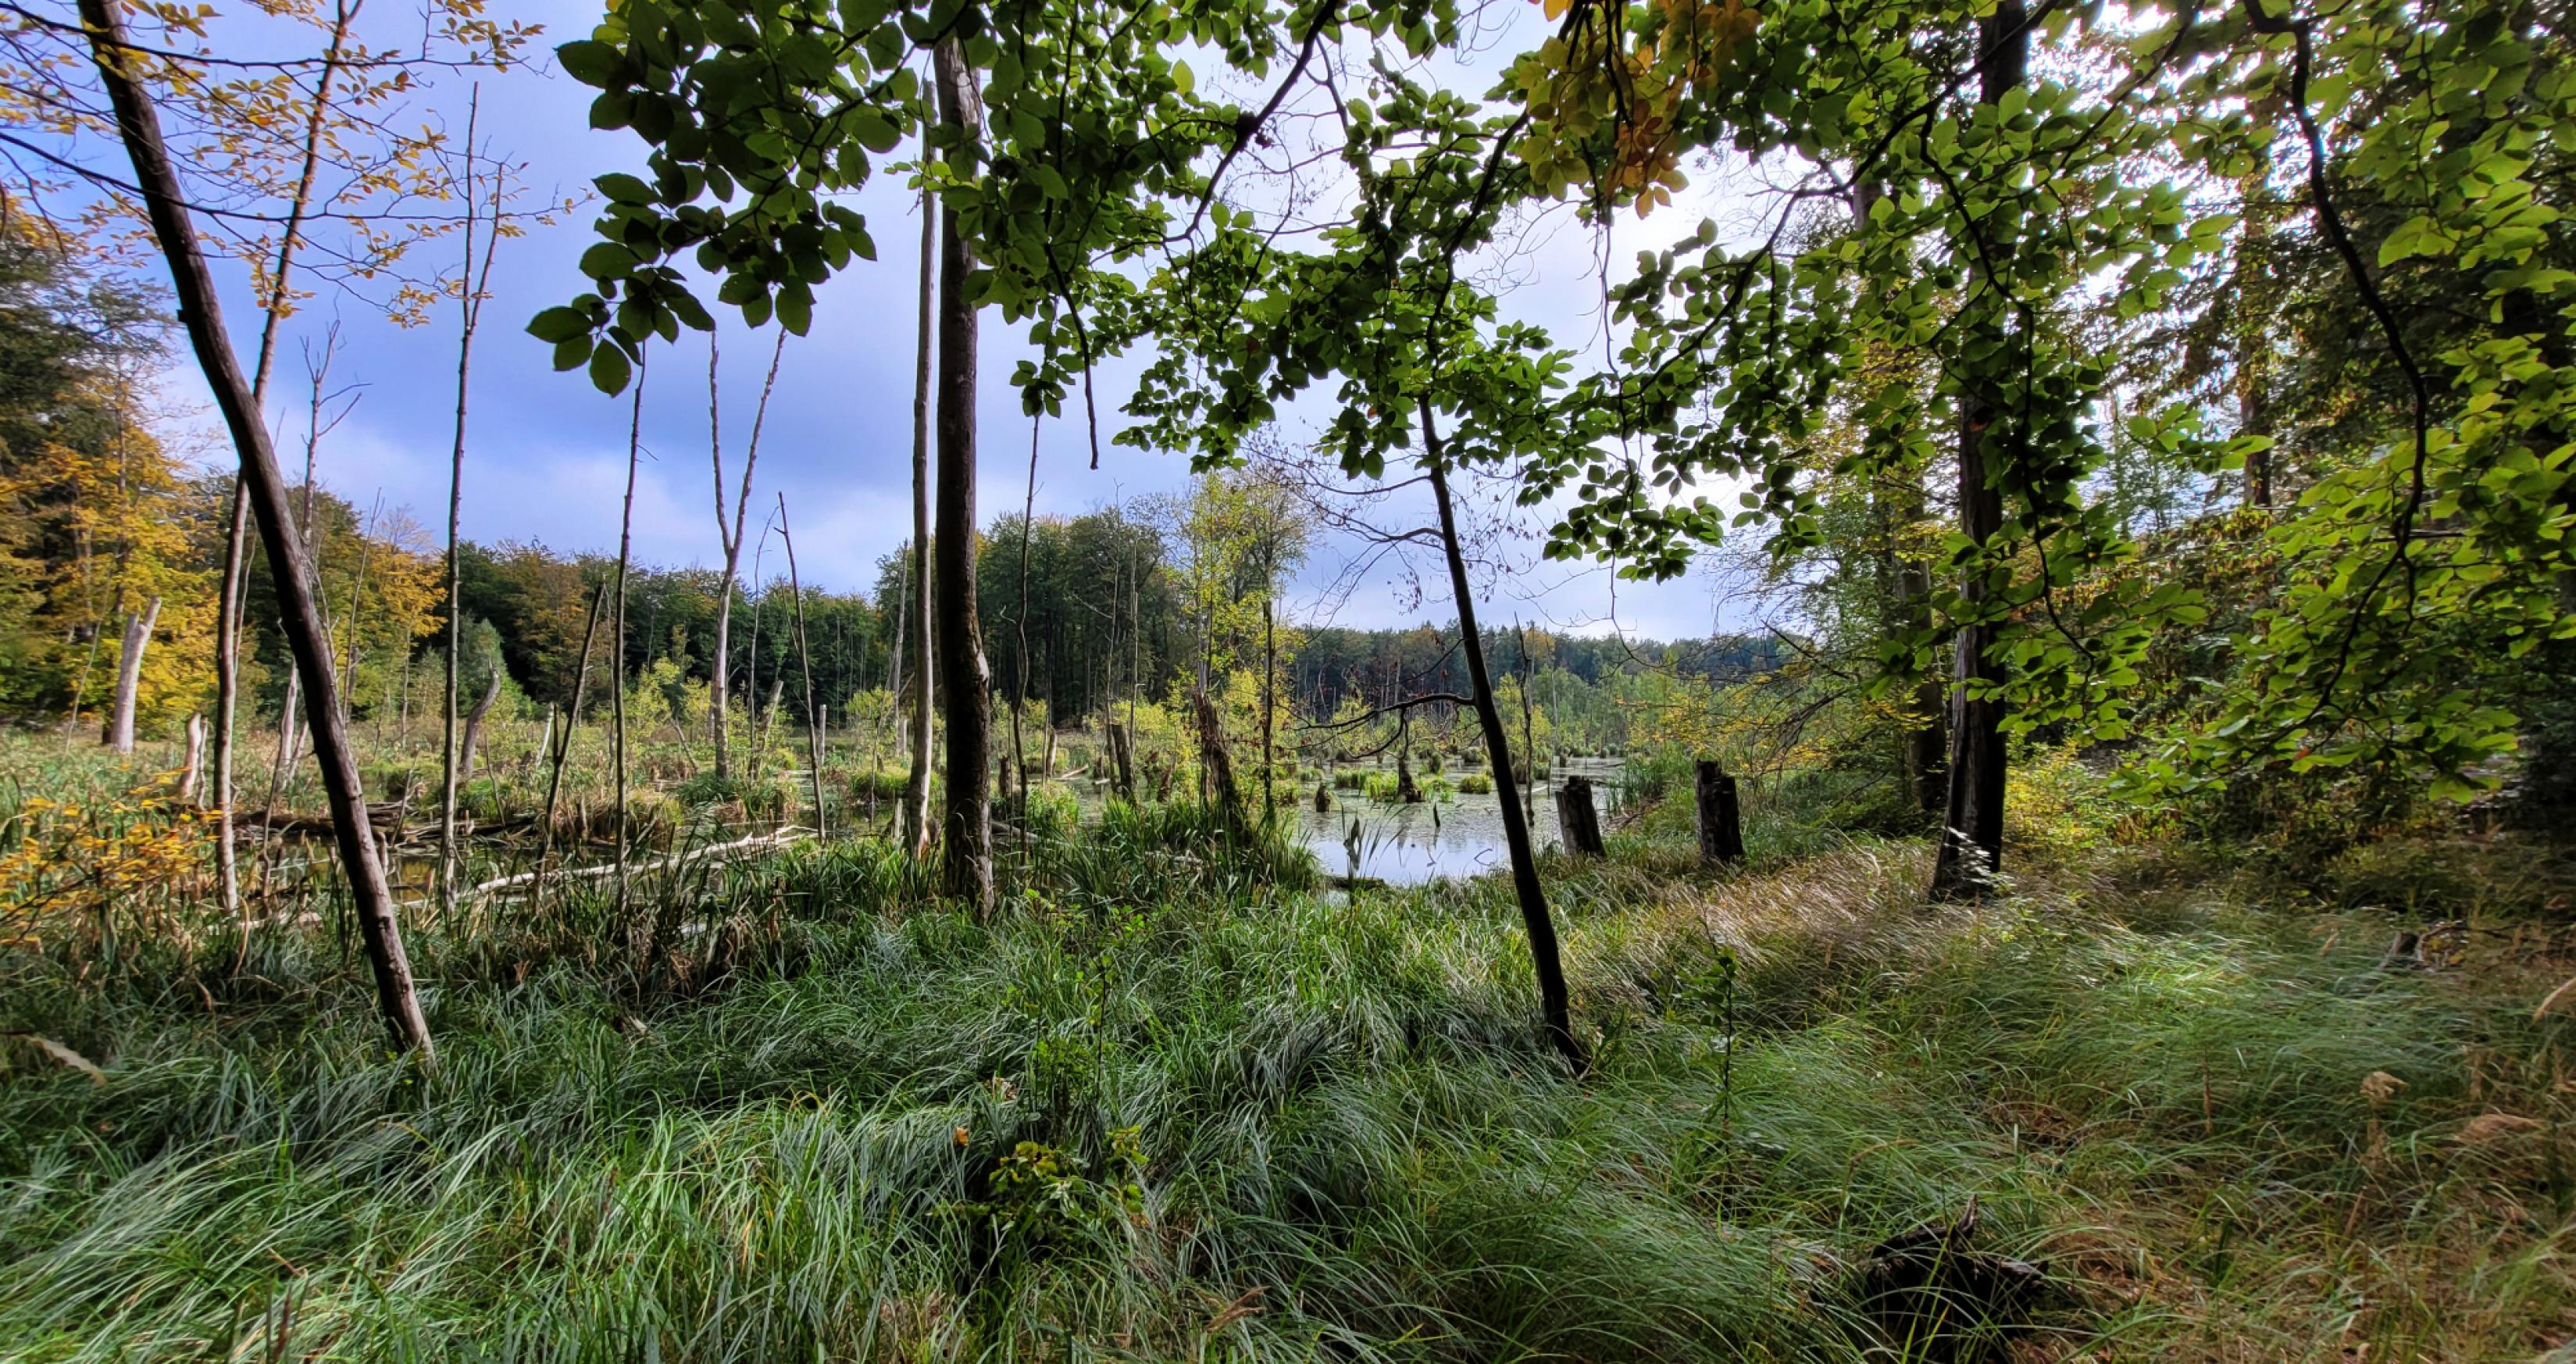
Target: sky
pixel 546 453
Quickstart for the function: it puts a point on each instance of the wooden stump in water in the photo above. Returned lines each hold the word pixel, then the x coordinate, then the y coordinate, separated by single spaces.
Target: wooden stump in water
pixel 1721 819
pixel 1577 819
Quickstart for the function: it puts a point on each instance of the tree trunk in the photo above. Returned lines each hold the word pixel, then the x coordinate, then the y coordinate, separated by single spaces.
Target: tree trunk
pixel 228 614
pixel 1578 819
pixel 200 309
pixel 474 735
pixel 1269 687
pixel 1972 833
pixel 129 675
pixel 1218 764
pixel 1929 733
pixel 967 853
pixel 562 748
pixel 916 623
pixel 1721 819
pixel 1554 1006
pixel 617 635
pixel 805 663
pixel 1122 762
pixel 719 707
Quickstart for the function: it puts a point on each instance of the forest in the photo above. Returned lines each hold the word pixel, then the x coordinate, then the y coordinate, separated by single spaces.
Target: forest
pixel 1822 680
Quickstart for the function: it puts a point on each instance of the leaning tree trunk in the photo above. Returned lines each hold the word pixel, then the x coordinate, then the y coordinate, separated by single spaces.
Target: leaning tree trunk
pixel 967 848
pixel 201 310
pixel 916 625
pixel 1554 1008
pixel 129 675
pixel 1972 832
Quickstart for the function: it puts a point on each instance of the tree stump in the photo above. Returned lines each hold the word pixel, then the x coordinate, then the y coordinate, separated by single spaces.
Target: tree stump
pixel 1577 819
pixel 196 759
pixel 1122 763
pixel 1721 819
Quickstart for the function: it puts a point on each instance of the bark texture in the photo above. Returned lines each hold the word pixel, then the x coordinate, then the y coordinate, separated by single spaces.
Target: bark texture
pixel 966 862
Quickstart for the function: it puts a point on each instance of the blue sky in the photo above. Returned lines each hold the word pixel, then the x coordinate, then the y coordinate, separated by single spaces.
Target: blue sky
pixel 546 452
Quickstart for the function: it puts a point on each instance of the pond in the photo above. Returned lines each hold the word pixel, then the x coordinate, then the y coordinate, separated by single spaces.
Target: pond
pixel 1409 844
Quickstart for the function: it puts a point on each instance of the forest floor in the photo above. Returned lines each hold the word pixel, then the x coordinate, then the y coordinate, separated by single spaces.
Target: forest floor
pixel 1168 1104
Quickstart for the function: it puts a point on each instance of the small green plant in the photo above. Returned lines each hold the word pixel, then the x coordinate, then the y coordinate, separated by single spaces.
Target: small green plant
pixel 1043 1197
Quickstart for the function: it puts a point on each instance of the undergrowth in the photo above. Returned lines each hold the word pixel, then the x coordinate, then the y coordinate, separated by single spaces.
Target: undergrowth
pixel 1169 1103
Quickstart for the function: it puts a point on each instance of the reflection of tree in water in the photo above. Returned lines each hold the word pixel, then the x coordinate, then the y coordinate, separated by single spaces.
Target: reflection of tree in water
pixel 1461 836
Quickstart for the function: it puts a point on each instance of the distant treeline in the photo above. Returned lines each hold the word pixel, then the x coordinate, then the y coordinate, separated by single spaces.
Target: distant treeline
pixel 1105 614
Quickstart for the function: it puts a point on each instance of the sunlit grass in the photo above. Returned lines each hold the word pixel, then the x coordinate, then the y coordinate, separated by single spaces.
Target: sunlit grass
pixel 2226 1131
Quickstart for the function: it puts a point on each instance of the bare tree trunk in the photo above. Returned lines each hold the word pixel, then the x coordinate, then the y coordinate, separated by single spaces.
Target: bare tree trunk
pixel 1578 820
pixel 129 674
pixel 1269 677
pixel 1554 1005
pixel 357 611
pixel 1929 734
pixel 967 847
pixel 228 618
pixel 617 636
pixel 916 625
pixel 2253 350
pixel 1972 836
pixel 474 731
pixel 195 769
pixel 563 745
pixel 471 284
pixel 720 715
pixel 1020 628
pixel 805 662
pixel 228 603
pixel 201 310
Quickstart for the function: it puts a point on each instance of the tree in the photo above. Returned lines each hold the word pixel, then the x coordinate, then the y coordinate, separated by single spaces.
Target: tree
pixel 729 536
pixel 966 830
pixel 139 126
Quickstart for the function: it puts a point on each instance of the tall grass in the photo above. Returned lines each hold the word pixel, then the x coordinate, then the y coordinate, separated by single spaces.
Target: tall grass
pixel 1170 1103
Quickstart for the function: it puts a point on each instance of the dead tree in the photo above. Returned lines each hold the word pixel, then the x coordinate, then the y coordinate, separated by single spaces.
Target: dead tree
pixel 474 732
pixel 129 674
pixel 1721 820
pixel 805 662
pixel 1578 819
pixel 729 536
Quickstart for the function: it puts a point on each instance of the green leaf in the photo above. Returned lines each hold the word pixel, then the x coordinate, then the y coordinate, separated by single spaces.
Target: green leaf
pixel 875 131
pixel 622 188
pixel 607 260
pixel 612 110
pixel 686 307
pixel 795 308
pixel 589 61
pixel 569 354
pixel 560 325
pixel 609 370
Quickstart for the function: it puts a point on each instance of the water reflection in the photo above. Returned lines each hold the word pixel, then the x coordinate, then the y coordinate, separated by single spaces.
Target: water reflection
pixel 1410 844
